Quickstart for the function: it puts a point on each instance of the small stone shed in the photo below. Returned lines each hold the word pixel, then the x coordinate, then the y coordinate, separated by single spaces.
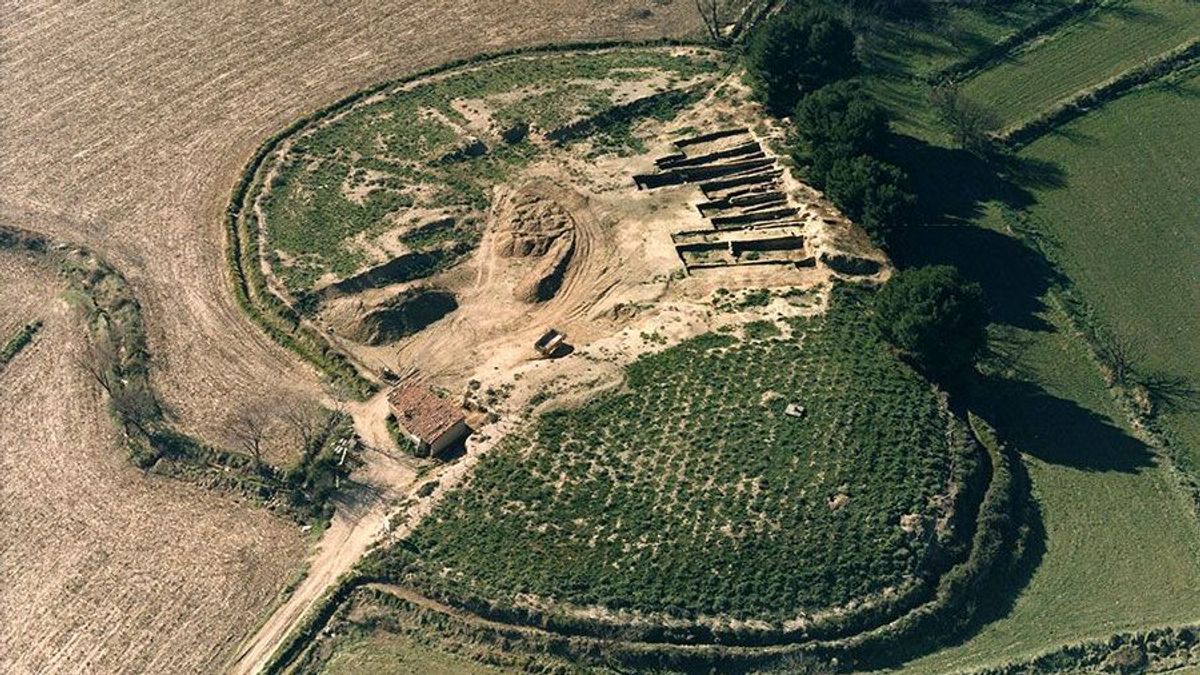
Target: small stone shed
pixel 431 422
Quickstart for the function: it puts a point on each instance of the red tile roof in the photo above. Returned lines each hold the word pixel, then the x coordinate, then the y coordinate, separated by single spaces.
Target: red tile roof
pixel 423 413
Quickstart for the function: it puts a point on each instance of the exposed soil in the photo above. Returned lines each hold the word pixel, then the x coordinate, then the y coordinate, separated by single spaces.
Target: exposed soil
pixel 105 568
pixel 135 120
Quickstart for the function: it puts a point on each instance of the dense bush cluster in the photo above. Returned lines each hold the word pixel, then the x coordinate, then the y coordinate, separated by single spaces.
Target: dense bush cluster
pixel 796 52
pixel 693 493
pixel 935 317
pixel 799 63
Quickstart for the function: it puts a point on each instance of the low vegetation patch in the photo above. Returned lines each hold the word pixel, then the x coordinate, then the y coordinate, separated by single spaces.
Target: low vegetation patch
pixel 695 492
pixel 19 341
pixel 379 174
pixel 118 361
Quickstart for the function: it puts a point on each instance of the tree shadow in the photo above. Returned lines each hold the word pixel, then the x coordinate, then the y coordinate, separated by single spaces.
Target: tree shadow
pixel 1014 277
pixel 955 187
pixel 1056 430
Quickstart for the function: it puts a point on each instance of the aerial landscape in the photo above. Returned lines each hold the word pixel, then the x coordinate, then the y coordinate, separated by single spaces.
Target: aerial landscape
pixel 663 336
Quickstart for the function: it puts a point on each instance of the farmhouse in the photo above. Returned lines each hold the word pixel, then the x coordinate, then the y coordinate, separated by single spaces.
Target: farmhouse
pixel 431 422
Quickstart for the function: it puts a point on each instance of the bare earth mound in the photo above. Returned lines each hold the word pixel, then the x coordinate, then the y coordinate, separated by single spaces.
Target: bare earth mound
pixel 531 223
pixel 107 569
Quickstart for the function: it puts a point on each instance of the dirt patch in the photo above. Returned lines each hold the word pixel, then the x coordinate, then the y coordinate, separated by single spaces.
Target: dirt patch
pixel 408 312
pixel 140 128
pixel 530 222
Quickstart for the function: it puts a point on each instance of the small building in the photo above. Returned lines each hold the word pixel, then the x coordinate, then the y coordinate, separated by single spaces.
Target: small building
pixel 431 422
pixel 550 343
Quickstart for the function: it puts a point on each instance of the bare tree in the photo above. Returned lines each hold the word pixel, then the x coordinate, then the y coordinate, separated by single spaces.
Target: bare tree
pixel 1119 354
pixel 136 405
pixel 100 361
pixel 305 418
pixel 711 15
pixel 972 124
pixel 247 429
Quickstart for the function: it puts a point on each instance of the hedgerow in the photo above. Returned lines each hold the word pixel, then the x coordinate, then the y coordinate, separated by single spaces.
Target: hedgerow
pixel 119 362
pixel 692 494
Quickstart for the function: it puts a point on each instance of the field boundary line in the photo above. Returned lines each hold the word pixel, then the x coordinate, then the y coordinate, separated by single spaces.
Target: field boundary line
pixel 1014 43
pixel 1164 643
pixel 152 444
pixel 1145 426
pixel 19 341
pixel 1094 98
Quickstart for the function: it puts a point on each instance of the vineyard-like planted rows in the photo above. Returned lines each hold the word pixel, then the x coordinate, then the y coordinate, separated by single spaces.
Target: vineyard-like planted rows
pixel 693 492
pixel 439 146
pixel 1097 47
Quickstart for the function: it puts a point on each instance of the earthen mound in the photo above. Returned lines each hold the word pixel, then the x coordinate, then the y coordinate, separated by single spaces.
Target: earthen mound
pixel 530 222
pixel 544 280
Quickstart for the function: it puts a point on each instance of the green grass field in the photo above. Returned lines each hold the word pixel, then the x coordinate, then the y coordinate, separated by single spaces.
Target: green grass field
pixel 898 56
pixel 692 492
pixel 1084 53
pixel 1126 227
pixel 385 653
pixel 1121 549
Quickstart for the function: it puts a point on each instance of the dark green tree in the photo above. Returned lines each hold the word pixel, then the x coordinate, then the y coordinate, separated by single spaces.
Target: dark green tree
pixel 935 317
pixel 797 52
pixel 872 193
pixel 835 121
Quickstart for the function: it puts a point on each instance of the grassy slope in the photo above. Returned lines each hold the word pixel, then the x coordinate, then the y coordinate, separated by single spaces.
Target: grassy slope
pixel 383 652
pixel 1098 47
pixel 1127 225
pixel 728 511
pixel 1121 551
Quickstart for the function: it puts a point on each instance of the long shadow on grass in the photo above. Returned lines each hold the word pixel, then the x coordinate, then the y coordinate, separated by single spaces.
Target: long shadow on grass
pixel 1057 430
pixel 954 188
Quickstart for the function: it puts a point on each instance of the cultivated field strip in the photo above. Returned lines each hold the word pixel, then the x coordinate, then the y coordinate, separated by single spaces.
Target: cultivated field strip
pixel 107 569
pixel 1084 53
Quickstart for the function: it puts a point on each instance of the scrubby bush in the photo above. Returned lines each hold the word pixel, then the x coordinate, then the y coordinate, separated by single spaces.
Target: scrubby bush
pixel 797 52
pixel 935 317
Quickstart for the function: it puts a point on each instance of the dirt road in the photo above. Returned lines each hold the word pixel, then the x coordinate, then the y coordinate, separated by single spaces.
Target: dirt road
pixel 360 520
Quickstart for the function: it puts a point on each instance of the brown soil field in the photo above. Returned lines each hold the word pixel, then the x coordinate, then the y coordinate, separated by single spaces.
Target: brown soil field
pixel 107 569
pixel 135 120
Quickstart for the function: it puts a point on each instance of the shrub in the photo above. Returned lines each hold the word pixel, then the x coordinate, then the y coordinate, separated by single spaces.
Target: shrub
pixel 797 52
pixel 935 317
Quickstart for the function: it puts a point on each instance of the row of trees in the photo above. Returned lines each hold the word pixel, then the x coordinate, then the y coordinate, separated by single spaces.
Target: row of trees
pixel 802 64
